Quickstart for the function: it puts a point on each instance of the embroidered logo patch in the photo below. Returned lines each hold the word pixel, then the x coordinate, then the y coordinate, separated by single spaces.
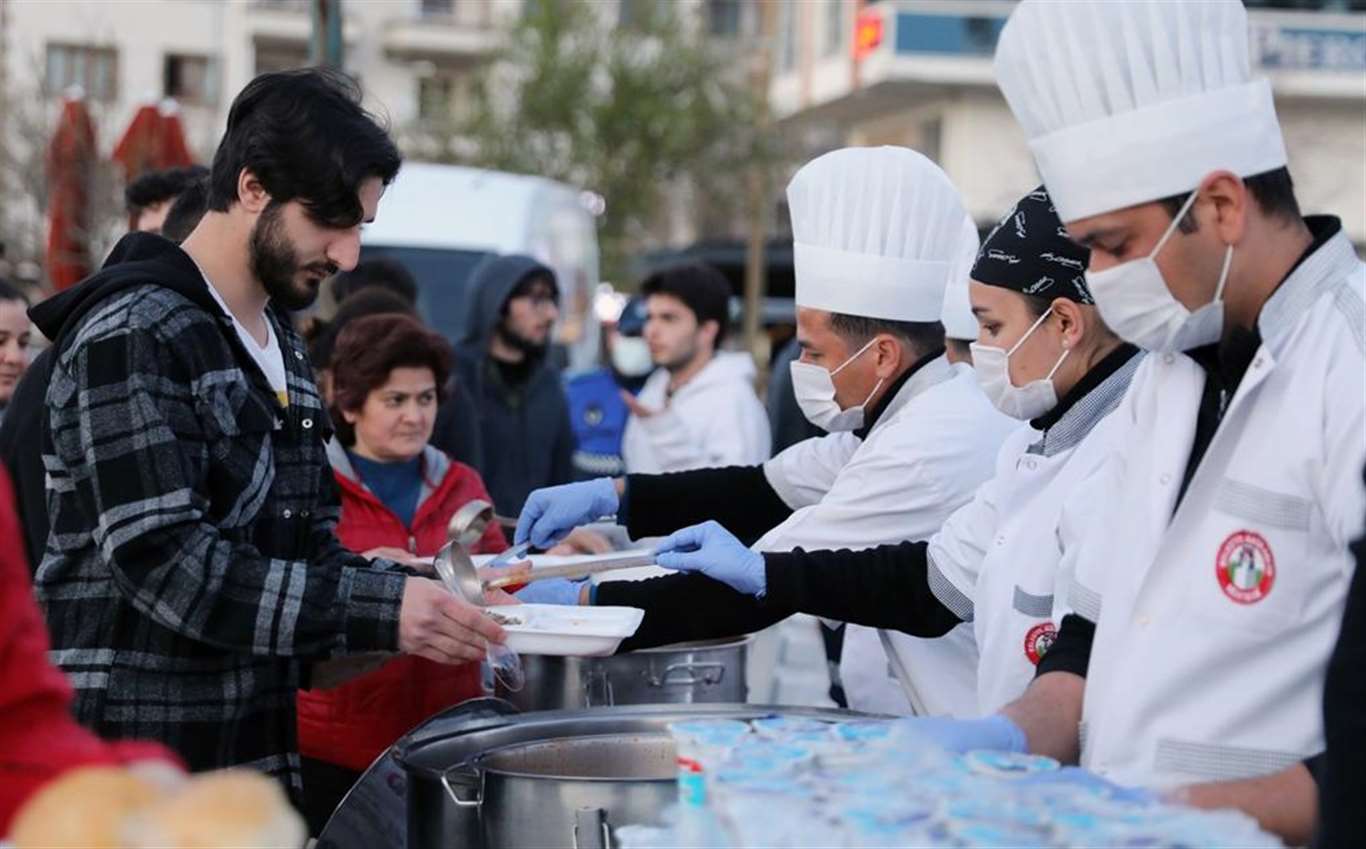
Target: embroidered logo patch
pixel 1038 640
pixel 1245 567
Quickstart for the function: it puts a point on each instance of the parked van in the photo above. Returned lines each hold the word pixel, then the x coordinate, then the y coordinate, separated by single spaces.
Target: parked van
pixel 441 221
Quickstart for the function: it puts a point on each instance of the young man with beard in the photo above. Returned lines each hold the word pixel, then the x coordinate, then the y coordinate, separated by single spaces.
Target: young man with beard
pixel 699 409
pixel 527 438
pixel 192 576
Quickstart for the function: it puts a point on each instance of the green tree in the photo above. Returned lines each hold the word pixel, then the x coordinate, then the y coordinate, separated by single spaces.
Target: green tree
pixel 629 112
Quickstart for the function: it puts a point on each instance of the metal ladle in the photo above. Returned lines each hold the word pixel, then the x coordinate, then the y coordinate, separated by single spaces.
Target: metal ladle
pixel 457 571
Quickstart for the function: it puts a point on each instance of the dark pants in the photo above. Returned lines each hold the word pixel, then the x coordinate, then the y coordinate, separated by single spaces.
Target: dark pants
pixel 324 786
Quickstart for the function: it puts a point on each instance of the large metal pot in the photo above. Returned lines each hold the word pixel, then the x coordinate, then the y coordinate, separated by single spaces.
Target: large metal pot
pixel 706 672
pixel 449 808
pixel 578 787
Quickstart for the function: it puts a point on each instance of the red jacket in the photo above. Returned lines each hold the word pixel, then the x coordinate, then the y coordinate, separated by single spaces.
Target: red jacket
pixel 353 724
pixel 38 738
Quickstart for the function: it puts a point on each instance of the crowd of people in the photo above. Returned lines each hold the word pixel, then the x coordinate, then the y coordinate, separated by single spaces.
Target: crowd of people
pixel 1090 487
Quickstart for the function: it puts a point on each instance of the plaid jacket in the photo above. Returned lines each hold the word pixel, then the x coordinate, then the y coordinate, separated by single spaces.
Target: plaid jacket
pixel 192 570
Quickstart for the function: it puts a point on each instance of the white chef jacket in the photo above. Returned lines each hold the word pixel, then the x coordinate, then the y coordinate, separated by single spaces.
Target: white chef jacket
pixel 1214 623
pixel 996 561
pixel 929 450
pixel 715 419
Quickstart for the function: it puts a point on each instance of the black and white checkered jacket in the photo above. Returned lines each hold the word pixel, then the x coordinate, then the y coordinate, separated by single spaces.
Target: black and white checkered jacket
pixel 192 573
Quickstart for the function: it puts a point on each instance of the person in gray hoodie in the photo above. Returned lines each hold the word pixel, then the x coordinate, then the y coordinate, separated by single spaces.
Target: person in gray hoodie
pixel 519 398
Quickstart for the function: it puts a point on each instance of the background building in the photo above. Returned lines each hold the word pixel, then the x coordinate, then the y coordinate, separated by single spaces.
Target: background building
pixel 918 73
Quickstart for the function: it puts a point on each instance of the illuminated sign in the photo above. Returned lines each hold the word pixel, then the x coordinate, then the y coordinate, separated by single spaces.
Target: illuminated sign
pixel 867 33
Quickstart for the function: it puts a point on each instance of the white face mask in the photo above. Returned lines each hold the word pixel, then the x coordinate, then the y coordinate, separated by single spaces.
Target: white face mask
pixel 1135 302
pixel 631 356
pixel 815 391
pixel 992 366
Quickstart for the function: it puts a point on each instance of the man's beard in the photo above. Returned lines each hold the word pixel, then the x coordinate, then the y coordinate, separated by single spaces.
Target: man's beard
pixel 275 263
pixel 515 340
pixel 681 360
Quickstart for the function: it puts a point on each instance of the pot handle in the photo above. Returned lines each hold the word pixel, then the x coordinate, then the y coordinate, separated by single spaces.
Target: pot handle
pixel 590 829
pixel 710 673
pixel 463 777
pixel 597 690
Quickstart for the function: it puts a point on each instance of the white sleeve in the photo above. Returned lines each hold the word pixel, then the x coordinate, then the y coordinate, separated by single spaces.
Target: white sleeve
pixel 803 473
pixel 1344 447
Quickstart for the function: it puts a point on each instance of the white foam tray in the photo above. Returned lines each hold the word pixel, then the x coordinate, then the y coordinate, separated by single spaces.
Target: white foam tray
pixel 570 630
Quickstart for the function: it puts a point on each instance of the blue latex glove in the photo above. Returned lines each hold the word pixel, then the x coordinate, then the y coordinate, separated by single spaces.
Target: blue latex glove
pixel 1092 783
pixel 551 591
pixel 552 512
pixel 712 550
pixel 964 735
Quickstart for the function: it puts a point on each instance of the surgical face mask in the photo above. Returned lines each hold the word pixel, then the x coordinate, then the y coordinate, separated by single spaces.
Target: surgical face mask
pixel 631 356
pixel 992 366
pixel 1135 302
pixel 815 391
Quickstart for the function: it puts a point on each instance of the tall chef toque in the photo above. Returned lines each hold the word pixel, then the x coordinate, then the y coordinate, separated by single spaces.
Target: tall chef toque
pixel 957 317
pixel 876 232
pixel 1129 101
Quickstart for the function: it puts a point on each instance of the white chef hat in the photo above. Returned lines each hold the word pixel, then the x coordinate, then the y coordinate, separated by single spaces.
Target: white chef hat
pixel 875 232
pixel 959 322
pixel 1129 101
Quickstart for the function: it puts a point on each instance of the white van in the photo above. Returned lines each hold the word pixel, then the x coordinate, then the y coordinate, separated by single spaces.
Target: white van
pixel 441 221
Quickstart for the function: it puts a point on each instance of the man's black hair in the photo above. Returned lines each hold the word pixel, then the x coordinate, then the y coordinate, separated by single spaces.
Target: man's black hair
pixel 923 337
pixel 190 206
pixel 9 292
pixel 306 137
pixel 1273 191
pixel 701 288
pixel 374 301
pixel 156 187
pixel 378 273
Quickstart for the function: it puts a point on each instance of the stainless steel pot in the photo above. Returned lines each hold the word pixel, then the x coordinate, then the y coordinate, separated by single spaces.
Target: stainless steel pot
pixel 441 800
pixel 577 787
pixel 706 672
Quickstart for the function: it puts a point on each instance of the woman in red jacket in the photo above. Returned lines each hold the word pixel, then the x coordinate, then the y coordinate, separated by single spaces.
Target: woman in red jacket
pixel 398 494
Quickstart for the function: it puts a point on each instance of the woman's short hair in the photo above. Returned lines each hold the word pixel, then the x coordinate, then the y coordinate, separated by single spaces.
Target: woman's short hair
pixel 369 348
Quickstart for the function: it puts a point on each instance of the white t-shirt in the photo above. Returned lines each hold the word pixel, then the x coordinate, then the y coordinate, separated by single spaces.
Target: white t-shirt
pixel 269 358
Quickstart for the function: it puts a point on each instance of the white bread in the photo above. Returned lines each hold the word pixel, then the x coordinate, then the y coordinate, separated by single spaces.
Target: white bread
pixel 86 807
pixel 228 808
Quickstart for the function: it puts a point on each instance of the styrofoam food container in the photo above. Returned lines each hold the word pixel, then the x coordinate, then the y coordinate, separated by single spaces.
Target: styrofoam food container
pixel 570 630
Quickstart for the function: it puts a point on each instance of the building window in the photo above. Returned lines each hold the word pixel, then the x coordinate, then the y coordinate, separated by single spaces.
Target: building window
pixel 438 8
pixel 636 14
pixel 191 80
pixel 271 57
pixel 94 69
pixel 434 98
pixel 836 38
pixel 723 18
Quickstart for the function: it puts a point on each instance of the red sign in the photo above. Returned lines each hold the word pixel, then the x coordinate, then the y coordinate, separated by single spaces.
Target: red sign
pixel 867 33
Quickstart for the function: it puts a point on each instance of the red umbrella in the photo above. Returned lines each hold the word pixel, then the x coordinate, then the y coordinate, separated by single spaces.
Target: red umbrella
pixel 154 140
pixel 70 161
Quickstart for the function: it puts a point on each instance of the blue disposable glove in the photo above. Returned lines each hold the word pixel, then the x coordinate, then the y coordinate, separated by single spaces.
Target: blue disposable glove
pixel 1090 782
pixel 712 550
pixel 964 735
pixel 551 591
pixel 551 513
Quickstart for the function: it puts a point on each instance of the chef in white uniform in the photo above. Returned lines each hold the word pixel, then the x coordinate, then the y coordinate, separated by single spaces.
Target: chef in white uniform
pixel 1044 357
pixel 877 233
pixel 1211 550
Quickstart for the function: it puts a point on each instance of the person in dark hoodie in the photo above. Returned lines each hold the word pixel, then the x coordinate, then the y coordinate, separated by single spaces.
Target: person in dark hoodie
pixel 528 441
pixel 192 580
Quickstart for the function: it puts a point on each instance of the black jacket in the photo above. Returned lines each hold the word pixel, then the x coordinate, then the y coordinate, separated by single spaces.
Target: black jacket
pixel 527 438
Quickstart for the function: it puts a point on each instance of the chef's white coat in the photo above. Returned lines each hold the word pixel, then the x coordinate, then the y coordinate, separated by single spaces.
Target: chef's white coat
pixel 929 450
pixel 715 419
pixel 996 561
pixel 1215 622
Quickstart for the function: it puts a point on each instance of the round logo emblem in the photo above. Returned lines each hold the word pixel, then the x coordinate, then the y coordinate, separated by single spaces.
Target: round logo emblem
pixel 1245 567
pixel 593 415
pixel 1038 640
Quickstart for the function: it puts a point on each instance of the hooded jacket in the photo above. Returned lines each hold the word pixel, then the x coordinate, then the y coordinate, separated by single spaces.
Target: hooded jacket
pixel 528 441
pixel 715 419
pixel 352 724
pixel 192 573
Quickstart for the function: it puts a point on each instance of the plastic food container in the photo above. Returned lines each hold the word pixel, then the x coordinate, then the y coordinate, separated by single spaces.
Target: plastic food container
pixel 568 630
